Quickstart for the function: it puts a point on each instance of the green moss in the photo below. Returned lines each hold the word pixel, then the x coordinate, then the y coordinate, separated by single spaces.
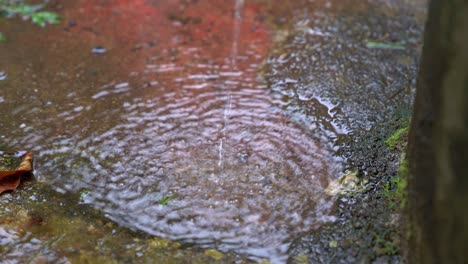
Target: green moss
pixel 301 259
pixel 159 243
pixel 409 231
pixel 91 258
pixel 396 189
pixel 402 183
pixel 214 254
pixel 33 12
pixel 8 161
pixel 386 244
pixel 389 248
pixel 396 138
pixel 60 226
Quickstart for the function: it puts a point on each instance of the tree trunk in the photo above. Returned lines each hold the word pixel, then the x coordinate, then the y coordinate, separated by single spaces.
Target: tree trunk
pixel 438 144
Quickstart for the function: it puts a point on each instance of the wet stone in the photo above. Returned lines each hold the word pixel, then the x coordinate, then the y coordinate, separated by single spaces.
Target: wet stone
pixel 243 156
pixel 99 50
pixel 151 43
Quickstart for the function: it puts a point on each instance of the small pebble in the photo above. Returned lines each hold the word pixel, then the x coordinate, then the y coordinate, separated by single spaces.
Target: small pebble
pixel 3 75
pixel 358 225
pixel 151 43
pixel 99 50
pixel 78 108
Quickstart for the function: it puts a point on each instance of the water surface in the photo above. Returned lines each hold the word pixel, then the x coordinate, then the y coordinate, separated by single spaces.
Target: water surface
pixel 138 101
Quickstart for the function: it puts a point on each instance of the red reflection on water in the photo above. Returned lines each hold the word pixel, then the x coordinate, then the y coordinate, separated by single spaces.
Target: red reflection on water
pixel 171 24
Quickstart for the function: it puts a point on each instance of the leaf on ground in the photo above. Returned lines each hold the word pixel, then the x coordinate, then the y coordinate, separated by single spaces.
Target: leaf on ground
pixel 380 45
pixel 2 37
pixel 10 179
pixel 166 199
pixel 44 18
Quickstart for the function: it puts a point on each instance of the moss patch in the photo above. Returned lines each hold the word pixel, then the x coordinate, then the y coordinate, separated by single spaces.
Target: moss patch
pixel 386 244
pixel 40 223
pixel 396 188
pixel 214 254
pixel 27 11
pixel 397 138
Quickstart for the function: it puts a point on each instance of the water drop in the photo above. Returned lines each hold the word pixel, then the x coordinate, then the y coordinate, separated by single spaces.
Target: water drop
pixel 99 50
pixel 78 108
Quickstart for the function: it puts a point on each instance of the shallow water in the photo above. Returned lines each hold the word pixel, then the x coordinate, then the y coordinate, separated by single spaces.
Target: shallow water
pixel 138 101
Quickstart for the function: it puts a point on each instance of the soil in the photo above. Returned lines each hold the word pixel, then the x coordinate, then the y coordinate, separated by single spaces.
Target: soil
pixel 370 224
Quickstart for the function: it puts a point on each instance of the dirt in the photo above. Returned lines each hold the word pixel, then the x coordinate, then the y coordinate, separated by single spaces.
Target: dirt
pixel 51 227
pixel 370 226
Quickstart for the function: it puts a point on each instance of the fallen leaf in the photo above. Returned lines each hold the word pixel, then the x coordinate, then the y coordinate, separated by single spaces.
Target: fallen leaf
pixel 166 199
pixel 10 179
pixel 380 45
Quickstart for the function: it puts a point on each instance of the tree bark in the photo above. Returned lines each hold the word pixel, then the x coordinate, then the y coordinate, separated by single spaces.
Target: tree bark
pixel 438 144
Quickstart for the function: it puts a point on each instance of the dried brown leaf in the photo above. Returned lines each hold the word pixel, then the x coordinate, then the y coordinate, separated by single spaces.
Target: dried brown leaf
pixel 9 183
pixel 10 179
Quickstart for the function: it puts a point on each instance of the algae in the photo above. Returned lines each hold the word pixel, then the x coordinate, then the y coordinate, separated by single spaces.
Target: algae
pixel 8 162
pixel 397 138
pixel 301 259
pixel 214 254
pixel 386 244
pixel 27 11
pixel 396 188
pixel 39 224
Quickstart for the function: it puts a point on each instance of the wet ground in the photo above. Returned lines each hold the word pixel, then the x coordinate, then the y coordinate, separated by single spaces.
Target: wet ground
pixel 215 125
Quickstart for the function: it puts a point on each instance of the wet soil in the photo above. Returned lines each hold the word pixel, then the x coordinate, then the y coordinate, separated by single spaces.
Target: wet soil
pixel 40 225
pixel 371 226
pixel 369 93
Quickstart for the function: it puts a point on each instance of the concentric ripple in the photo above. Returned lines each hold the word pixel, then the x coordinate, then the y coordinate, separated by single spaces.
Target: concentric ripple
pixel 242 175
pixel 239 172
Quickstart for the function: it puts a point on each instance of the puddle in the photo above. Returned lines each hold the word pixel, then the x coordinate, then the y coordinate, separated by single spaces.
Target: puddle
pixel 137 102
